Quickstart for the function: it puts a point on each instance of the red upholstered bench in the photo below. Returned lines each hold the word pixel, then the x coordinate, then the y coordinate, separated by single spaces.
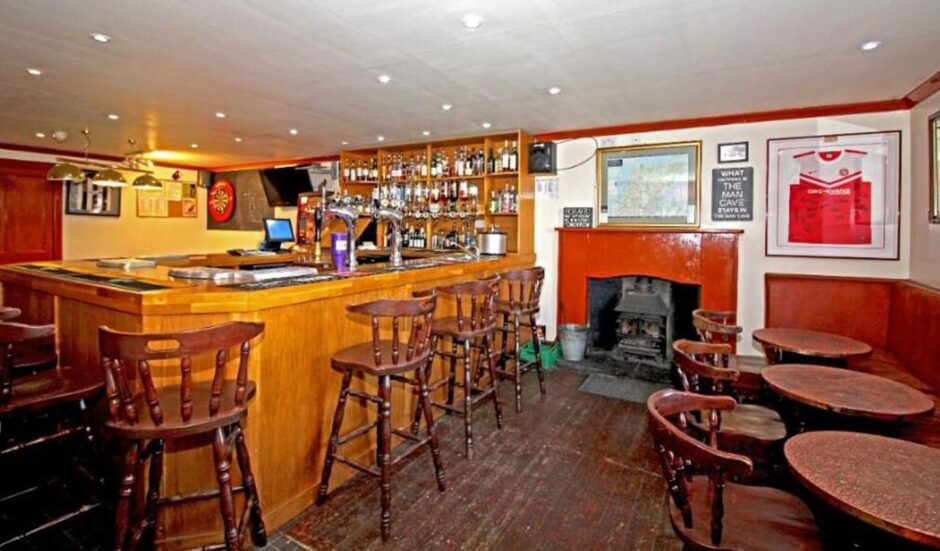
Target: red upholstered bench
pixel 900 319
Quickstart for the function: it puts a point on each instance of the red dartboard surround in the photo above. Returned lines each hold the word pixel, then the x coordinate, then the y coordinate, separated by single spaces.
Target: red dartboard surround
pixel 221 201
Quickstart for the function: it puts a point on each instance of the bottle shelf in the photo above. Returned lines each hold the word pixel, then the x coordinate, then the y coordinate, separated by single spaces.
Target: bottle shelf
pixel 451 178
pixel 502 214
pixel 498 174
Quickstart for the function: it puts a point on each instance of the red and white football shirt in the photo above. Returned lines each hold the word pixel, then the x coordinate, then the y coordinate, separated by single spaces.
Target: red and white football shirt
pixel 830 203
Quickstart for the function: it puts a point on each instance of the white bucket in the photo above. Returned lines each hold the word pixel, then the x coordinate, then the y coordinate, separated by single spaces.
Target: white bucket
pixel 573 341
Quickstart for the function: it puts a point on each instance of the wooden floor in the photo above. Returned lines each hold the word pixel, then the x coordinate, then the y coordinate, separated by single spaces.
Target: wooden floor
pixel 572 471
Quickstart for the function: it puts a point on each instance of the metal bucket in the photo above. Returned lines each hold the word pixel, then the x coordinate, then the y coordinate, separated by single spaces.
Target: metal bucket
pixel 573 341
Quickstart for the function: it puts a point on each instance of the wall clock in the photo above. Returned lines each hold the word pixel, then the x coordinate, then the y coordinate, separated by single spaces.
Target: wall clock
pixel 221 201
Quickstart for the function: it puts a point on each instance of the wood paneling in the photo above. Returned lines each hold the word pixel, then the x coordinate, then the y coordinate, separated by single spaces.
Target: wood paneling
pixel 914 330
pixel 30 213
pixel 699 257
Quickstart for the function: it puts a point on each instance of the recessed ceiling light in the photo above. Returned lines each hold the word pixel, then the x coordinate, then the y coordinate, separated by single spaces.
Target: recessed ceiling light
pixel 293 131
pixel 238 140
pixel 344 142
pixel 425 132
pixel 870 45
pixel 40 135
pixel 554 90
pixel 113 116
pixel 487 125
pixel 471 21
pixel 194 145
pixel 219 115
pixel 384 79
pixel 100 37
pixel 447 107
pixel 380 138
pixel 34 72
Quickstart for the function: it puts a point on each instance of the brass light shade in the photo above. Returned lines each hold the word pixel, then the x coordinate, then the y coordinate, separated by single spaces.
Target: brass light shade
pixel 63 172
pixel 109 178
pixel 147 182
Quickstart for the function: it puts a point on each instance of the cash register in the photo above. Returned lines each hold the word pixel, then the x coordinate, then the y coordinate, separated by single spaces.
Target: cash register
pixel 277 231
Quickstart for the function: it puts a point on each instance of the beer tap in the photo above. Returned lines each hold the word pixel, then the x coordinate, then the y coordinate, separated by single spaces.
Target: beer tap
pixel 394 216
pixel 347 210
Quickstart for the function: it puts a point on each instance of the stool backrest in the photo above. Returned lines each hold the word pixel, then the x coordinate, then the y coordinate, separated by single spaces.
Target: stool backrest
pixel 681 455
pixel 12 334
pixel 8 312
pixel 419 310
pixel 522 289
pixel 715 326
pixel 481 295
pixel 125 356
pixel 702 366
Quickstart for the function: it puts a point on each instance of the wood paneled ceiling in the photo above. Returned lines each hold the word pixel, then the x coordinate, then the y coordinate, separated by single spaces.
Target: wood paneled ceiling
pixel 313 65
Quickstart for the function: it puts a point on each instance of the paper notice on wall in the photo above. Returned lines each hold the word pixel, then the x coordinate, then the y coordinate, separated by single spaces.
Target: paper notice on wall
pixel 174 191
pixel 546 187
pixel 152 203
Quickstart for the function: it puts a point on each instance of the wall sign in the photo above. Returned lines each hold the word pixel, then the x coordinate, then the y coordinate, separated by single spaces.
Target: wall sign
pixel 578 217
pixel 733 193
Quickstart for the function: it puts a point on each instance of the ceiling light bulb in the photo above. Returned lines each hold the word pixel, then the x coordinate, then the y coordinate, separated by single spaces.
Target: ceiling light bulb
pixel 219 115
pixel 40 135
pixel 34 72
pixel 238 140
pixel 447 107
pixel 380 138
pixel 870 45
pixel 344 142
pixel 425 132
pixel 487 125
pixel 113 116
pixel 293 131
pixel 471 21
pixel 100 37
pixel 194 145
pixel 384 79
pixel 554 90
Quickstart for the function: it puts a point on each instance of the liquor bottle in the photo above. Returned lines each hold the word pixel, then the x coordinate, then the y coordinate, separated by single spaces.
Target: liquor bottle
pixel 505 153
pixel 346 171
pixel 514 158
pixel 374 173
pixel 507 201
pixel 513 204
pixel 491 163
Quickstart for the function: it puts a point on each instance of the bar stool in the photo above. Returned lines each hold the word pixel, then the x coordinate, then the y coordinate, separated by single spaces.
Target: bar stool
pixel 28 401
pixel 467 331
pixel 214 408
pixel 518 305
pixel 717 327
pixel 386 359
pixel 35 355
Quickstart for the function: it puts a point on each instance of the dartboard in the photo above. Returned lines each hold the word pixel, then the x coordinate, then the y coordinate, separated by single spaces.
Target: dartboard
pixel 221 201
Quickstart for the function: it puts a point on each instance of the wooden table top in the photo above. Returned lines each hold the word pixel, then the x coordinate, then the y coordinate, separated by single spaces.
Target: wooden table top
pixel 811 343
pixel 847 392
pixel 889 483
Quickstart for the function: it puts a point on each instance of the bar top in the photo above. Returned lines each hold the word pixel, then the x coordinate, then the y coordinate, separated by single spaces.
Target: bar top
pixel 154 291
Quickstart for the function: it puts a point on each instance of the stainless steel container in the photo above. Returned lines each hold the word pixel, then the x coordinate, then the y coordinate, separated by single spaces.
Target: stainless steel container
pixel 492 242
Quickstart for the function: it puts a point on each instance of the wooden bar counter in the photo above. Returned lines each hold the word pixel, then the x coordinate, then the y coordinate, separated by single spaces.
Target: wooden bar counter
pixel 289 420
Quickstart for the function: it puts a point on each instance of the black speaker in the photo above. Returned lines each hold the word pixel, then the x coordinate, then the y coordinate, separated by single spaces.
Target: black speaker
pixel 542 157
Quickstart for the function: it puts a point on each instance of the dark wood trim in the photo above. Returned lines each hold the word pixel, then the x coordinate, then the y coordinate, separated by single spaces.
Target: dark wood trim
pixel 924 90
pixel 270 164
pixel 933 215
pixel 737 118
pixel 91 156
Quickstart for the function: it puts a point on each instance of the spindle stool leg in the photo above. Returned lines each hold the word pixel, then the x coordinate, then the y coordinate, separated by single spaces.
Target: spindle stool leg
pixel 468 398
pixel 125 494
pixel 416 422
pixel 334 438
pixel 226 499
pixel 384 453
pixel 517 373
pixel 452 378
pixel 429 420
pixel 153 496
pixel 259 535
pixel 491 368
pixel 504 349
pixel 538 354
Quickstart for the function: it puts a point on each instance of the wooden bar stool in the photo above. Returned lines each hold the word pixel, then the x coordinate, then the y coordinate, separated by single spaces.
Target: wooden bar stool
pixel 518 304
pixel 718 327
pixel 387 360
pixel 35 355
pixel 467 331
pixel 215 408
pixel 29 401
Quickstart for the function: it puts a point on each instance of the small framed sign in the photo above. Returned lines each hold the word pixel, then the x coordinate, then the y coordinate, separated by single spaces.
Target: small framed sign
pixel 733 193
pixel 732 152
pixel 578 217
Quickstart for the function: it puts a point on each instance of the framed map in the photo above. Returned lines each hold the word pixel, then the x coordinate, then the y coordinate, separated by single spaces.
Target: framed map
pixel 649 185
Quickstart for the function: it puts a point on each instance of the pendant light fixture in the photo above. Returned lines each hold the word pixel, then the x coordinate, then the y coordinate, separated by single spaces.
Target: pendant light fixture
pixel 109 178
pixel 147 182
pixel 64 171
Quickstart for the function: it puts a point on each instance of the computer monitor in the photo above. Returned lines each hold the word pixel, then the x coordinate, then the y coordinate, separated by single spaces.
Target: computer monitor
pixel 277 231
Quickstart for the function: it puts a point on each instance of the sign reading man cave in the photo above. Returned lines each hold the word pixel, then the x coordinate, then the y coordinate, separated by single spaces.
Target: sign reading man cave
pixel 733 194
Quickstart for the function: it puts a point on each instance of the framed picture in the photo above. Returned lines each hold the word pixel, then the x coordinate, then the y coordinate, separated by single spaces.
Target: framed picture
pixel 649 185
pixel 934 138
pixel 88 199
pixel 732 152
pixel 834 196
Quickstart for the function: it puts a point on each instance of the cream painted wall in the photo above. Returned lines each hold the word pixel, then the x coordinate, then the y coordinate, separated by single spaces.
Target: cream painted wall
pixel 128 235
pixel 577 188
pixel 925 238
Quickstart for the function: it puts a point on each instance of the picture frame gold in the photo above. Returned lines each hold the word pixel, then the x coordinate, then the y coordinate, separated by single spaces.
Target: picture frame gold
pixel 933 138
pixel 629 195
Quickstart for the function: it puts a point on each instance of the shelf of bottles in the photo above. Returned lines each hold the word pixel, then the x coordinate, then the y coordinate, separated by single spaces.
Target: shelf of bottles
pixel 448 189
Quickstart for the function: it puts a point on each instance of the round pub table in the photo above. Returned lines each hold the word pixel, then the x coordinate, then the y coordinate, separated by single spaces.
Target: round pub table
pixel 888 483
pixel 781 341
pixel 847 392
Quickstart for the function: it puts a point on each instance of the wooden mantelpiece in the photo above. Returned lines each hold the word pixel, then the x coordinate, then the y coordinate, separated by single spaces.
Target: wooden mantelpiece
pixel 705 257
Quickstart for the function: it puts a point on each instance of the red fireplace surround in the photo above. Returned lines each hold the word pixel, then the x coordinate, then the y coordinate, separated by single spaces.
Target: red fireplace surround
pixel 708 258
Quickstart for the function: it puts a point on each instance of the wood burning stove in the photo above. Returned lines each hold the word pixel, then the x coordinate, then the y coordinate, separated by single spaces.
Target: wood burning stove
pixel 645 325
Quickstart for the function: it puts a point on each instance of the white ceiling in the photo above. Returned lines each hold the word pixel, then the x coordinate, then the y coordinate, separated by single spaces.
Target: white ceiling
pixel 272 65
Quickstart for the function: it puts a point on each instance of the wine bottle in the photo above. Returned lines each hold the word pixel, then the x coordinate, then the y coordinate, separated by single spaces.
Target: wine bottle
pixel 491 163
pixel 505 155
pixel 514 158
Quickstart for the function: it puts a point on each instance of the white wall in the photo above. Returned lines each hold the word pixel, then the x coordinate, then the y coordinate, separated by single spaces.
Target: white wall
pixel 129 235
pixel 925 237
pixel 577 188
